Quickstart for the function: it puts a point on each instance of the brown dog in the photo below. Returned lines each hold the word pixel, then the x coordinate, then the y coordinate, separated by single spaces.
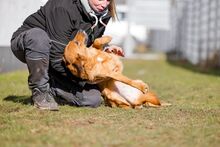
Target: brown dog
pixel 105 69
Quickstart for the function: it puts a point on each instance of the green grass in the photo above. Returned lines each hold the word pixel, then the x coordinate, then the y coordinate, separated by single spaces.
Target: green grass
pixel 192 120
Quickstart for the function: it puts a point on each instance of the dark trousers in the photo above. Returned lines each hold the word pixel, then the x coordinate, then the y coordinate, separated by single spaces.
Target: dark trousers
pixel 33 48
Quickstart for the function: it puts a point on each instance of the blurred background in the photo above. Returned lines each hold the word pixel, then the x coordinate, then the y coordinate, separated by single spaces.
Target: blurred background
pixel 186 30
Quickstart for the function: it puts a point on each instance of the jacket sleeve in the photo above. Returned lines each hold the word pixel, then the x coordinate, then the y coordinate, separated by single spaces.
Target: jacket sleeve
pixel 59 28
pixel 59 24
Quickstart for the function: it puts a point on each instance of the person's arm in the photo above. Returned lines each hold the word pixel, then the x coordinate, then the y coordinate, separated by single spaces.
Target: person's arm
pixel 59 26
pixel 114 49
pixel 111 48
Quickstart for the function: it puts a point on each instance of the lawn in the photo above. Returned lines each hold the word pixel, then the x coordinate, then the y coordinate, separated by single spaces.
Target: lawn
pixel 193 120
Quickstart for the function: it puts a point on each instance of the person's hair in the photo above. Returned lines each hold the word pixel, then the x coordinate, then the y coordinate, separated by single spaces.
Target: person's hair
pixel 112 9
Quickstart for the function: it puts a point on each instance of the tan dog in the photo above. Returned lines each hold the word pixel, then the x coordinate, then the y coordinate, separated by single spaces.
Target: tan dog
pixel 105 69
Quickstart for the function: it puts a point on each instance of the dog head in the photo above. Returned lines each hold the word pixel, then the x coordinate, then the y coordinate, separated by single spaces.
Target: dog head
pixel 75 53
pixel 91 63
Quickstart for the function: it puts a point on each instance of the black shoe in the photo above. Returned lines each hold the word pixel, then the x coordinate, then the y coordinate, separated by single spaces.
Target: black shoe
pixel 44 101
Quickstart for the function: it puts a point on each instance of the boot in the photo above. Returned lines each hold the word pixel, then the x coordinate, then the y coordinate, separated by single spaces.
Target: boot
pixel 44 100
pixel 38 82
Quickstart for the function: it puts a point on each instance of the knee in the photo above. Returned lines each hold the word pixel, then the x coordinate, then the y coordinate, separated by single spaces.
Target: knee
pixel 96 101
pixel 91 98
pixel 37 40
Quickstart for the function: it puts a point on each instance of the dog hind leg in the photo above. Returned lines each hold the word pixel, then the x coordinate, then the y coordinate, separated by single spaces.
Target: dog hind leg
pixel 136 84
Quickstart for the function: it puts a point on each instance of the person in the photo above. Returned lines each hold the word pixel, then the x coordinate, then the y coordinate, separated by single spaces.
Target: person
pixel 40 43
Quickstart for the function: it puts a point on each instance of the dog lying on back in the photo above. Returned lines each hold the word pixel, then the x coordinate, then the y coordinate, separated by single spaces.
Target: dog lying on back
pixel 105 69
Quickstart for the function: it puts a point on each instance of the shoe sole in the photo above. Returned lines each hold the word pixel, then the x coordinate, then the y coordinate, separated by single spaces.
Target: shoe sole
pixel 46 108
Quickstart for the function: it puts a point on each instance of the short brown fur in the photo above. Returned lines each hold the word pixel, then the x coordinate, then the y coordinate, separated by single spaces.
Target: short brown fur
pixel 104 69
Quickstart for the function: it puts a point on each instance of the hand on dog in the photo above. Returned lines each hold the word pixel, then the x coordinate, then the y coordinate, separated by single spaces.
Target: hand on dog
pixel 115 49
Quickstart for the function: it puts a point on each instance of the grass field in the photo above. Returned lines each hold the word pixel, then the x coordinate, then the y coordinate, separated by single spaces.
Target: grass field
pixel 193 120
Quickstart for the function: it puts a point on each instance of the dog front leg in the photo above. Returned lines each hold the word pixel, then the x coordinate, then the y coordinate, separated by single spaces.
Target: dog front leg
pixel 99 43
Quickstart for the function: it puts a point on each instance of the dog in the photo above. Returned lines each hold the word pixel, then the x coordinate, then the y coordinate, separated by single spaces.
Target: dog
pixel 105 70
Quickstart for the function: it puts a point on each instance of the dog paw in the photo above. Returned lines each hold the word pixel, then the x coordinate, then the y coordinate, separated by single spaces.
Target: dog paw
pixel 138 107
pixel 165 104
pixel 150 105
pixel 143 86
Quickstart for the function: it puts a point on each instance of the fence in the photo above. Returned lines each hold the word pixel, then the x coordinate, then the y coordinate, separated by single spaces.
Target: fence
pixel 197 30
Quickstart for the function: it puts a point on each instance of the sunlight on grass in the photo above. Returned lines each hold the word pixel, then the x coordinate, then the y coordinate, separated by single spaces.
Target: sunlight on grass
pixel 192 120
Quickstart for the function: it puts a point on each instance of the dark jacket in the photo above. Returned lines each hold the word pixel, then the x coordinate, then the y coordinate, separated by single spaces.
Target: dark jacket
pixel 61 19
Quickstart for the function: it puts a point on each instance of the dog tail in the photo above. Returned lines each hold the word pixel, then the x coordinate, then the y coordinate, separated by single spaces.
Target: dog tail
pixel 152 100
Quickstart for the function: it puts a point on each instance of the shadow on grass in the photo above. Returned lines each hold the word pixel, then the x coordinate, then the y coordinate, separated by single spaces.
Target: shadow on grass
pixel 25 100
pixel 204 69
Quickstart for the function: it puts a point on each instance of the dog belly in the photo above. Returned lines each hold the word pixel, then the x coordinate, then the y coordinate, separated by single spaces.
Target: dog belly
pixel 128 92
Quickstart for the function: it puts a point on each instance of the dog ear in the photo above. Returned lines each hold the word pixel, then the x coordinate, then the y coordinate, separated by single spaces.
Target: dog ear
pixel 81 37
pixel 99 43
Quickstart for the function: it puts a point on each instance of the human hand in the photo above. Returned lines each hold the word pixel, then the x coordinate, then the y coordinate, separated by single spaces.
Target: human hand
pixel 114 49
